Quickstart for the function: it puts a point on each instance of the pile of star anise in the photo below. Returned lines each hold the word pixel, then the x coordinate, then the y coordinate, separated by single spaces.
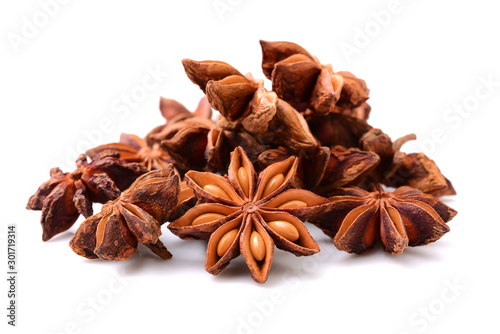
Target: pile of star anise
pixel 246 182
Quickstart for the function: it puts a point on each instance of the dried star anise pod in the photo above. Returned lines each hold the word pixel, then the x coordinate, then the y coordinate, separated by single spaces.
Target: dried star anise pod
pixel 397 168
pixel 239 98
pixel 184 136
pixel 246 106
pixel 248 213
pixel 301 80
pixel 132 148
pixel 67 195
pixel 134 217
pixel 357 219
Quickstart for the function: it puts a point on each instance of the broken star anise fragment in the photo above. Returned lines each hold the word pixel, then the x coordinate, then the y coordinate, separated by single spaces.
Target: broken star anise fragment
pixel 357 219
pixel 67 195
pixel 249 214
pixel 134 217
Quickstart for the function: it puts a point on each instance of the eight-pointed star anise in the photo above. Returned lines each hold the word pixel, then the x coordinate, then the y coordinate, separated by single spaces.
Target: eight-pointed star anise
pixel 357 219
pixel 249 214
pixel 135 216
pixel 67 195
pixel 132 148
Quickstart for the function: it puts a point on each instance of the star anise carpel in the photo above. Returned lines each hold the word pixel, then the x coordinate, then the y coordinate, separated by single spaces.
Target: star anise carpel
pixel 134 217
pixel 357 219
pixel 67 195
pixel 249 214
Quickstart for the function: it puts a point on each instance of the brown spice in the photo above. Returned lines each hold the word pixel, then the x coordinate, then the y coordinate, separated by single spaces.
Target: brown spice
pixel 357 219
pixel 246 213
pixel 246 106
pixel 301 80
pixel 132 148
pixel 135 217
pixel 397 168
pixel 184 136
pixel 67 195
pixel 326 169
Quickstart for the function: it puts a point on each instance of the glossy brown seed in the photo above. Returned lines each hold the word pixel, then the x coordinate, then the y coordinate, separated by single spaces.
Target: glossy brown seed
pixel 274 183
pixel 257 246
pixel 206 218
pixel 244 180
pixel 226 241
pixel 216 191
pixel 100 230
pixel 285 229
pixel 295 204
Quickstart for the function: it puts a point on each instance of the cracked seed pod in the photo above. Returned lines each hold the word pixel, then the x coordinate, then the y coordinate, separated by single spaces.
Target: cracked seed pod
pixel 301 80
pixel 249 214
pixel 67 195
pixel 398 168
pixel 134 217
pixel 184 136
pixel 357 219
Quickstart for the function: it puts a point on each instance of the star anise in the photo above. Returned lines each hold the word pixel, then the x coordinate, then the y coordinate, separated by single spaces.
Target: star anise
pixel 337 129
pixel 134 217
pixel 301 80
pixel 249 213
pixel 357 219
pixel 184 136
pixel 67 195
pixel 327 168
pixel 132 148
pixel 246 106
pixel 397 168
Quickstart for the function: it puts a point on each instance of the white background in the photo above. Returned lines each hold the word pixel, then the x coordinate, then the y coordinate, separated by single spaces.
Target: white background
pixel 69 76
